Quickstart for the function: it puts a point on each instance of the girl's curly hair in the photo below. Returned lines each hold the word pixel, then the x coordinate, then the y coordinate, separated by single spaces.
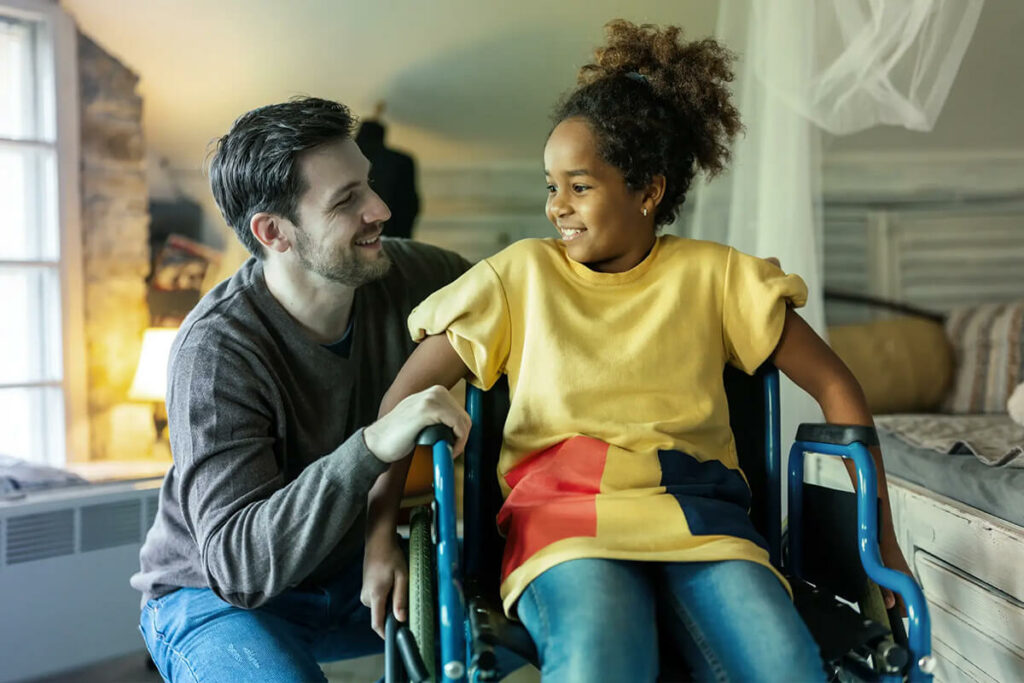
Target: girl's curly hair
pixel 657 107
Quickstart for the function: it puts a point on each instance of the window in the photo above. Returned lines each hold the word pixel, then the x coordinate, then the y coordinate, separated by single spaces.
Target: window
pixel 41 404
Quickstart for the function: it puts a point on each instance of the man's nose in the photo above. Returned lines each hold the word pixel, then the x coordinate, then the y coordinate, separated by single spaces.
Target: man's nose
pixel 377 211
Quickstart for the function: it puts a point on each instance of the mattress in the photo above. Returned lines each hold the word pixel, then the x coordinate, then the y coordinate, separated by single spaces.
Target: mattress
pixel 999 491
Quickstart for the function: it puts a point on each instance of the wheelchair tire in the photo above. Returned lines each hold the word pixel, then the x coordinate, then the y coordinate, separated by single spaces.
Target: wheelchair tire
pixel 422 588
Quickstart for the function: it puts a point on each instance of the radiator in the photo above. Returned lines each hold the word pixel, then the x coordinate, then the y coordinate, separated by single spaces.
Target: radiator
pixel 65 560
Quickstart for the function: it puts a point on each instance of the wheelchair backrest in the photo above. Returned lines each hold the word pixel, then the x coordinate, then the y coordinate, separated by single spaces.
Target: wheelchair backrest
pixel 747 418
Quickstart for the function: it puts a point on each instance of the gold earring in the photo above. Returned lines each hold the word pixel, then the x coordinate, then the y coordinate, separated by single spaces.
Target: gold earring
pixel 645 211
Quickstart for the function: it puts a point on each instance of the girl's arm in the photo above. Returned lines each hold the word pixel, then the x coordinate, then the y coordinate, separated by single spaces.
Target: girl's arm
pixel 421 386
pixel 807 360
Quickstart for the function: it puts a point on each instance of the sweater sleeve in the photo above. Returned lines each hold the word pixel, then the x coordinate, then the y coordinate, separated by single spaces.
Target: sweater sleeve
pixel 754 300
pixel 258 533
pixel 473 311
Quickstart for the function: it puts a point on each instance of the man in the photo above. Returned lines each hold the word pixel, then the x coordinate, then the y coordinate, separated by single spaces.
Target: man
pixel 252 569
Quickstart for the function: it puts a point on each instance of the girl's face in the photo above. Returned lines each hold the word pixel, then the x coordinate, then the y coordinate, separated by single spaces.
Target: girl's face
pixel 600 220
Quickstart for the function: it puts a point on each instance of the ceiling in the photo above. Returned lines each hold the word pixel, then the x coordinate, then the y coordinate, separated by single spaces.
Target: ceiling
pixel 464 81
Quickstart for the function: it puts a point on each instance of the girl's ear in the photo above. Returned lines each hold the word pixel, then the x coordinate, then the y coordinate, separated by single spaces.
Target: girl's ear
pixel 653 193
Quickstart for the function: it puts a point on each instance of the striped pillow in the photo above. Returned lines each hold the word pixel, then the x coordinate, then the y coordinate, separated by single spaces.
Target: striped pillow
pixel 988 343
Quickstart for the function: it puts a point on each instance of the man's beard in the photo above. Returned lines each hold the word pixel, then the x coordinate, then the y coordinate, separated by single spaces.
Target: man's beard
pixel 341 263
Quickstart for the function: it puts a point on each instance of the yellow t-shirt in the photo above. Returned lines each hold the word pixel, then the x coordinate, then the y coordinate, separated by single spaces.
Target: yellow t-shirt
pixel 617 442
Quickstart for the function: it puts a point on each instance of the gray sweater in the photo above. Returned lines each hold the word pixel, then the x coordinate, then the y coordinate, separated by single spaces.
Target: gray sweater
pixel 271 473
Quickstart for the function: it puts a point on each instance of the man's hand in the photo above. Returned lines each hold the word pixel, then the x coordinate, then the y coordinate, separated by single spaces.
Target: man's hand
pixel 393 436
pixel 385 572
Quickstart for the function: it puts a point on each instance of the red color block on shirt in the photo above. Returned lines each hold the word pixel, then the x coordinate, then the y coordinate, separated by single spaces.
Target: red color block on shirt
pixel 553 498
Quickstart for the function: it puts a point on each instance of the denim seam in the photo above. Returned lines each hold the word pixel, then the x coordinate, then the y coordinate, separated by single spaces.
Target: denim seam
pixel 697 634
pixel 162 640
pixel 542 611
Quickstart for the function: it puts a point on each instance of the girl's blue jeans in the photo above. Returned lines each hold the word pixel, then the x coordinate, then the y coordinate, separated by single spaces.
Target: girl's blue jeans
pixel 192 635
pixel 598 620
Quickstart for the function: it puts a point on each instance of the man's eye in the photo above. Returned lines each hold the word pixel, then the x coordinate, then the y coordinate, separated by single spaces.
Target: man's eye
pixel 343 202
pixel 552 189
pixel 579 188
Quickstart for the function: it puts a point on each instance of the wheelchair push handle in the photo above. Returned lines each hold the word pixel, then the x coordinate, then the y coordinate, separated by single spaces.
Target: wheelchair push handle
pixel 434 433
pixel 402 655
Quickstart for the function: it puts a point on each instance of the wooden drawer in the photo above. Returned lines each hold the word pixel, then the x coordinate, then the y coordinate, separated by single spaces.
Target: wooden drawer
pixel 989 549
pixel 973 621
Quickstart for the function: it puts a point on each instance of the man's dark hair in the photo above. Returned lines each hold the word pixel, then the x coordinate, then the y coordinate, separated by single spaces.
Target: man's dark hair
pixel 253 168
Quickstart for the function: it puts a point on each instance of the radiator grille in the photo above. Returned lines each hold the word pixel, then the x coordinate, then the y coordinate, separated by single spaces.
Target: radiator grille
pixel 110 524
pixel 39 536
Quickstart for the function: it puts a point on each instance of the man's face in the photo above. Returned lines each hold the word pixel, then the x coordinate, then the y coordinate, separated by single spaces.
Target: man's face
pixel 340 217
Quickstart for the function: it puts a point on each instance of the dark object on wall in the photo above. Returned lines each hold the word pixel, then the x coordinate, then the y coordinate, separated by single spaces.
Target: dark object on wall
pixel 175 284
pixel 392 176
pixel 180 216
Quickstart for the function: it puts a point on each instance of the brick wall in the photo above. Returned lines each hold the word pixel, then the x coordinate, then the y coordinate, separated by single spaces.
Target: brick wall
pixel 115 225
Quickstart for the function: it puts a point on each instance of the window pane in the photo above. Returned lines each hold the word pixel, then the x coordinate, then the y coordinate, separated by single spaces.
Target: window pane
pixel 28 191
pixel 33 422
pixel 18 117
pixel 30 311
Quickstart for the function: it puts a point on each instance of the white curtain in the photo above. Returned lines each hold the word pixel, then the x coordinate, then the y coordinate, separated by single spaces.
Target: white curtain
pixel 807 66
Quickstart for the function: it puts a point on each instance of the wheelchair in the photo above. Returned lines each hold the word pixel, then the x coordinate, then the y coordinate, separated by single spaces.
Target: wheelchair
pixel 828 551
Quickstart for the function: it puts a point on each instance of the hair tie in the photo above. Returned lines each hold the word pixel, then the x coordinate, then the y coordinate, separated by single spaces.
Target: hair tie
pixel 637 76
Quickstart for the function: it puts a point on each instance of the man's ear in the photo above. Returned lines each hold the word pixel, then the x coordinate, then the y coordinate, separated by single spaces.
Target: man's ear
pixel 266 227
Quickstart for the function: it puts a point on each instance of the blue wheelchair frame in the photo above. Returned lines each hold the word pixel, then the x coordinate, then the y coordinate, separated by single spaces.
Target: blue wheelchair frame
pixel 455 652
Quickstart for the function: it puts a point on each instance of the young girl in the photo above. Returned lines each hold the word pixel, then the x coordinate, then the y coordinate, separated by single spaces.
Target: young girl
pixel 625 507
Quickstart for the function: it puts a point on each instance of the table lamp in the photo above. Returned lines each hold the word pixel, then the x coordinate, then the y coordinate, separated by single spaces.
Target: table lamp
pixel 150 382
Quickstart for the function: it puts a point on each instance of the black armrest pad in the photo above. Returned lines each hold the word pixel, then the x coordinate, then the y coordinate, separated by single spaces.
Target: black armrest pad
pixel 431 435
pixel 838 435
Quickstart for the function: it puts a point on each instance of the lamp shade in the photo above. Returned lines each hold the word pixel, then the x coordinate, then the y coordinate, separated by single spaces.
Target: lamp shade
pixel 150 382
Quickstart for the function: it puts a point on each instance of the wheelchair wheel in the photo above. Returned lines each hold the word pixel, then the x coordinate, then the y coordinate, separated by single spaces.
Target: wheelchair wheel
pixel 422 587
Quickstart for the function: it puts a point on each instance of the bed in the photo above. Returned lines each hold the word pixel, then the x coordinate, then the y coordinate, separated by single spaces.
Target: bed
pixel 938 383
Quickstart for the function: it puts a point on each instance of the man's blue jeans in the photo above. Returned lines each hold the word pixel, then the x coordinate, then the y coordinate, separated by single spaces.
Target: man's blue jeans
pixel 193 635
pixel 597 620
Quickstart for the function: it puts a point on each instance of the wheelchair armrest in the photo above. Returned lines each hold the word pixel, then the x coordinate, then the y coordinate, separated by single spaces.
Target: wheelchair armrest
pixel 434 433
pixel 867 520
pixel 838 435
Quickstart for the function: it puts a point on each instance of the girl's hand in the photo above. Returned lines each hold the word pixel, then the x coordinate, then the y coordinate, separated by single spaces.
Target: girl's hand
pixel 892 557
pixel 385 573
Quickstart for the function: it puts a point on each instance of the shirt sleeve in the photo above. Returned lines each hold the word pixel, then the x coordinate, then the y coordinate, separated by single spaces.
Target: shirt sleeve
pixel 473 311
pixel 754 300
pixel 257 533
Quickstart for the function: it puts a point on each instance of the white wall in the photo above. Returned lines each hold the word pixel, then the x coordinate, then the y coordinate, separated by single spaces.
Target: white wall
pixel 465 81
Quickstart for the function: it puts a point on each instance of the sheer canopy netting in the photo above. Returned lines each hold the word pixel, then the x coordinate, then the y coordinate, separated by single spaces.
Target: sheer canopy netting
pixel 873 61
pixel 804 67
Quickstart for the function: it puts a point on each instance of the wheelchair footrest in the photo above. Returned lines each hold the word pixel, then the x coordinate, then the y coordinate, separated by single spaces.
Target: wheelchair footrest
pixel 490 628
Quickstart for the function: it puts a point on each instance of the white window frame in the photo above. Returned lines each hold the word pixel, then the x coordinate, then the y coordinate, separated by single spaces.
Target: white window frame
pixel 57 51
